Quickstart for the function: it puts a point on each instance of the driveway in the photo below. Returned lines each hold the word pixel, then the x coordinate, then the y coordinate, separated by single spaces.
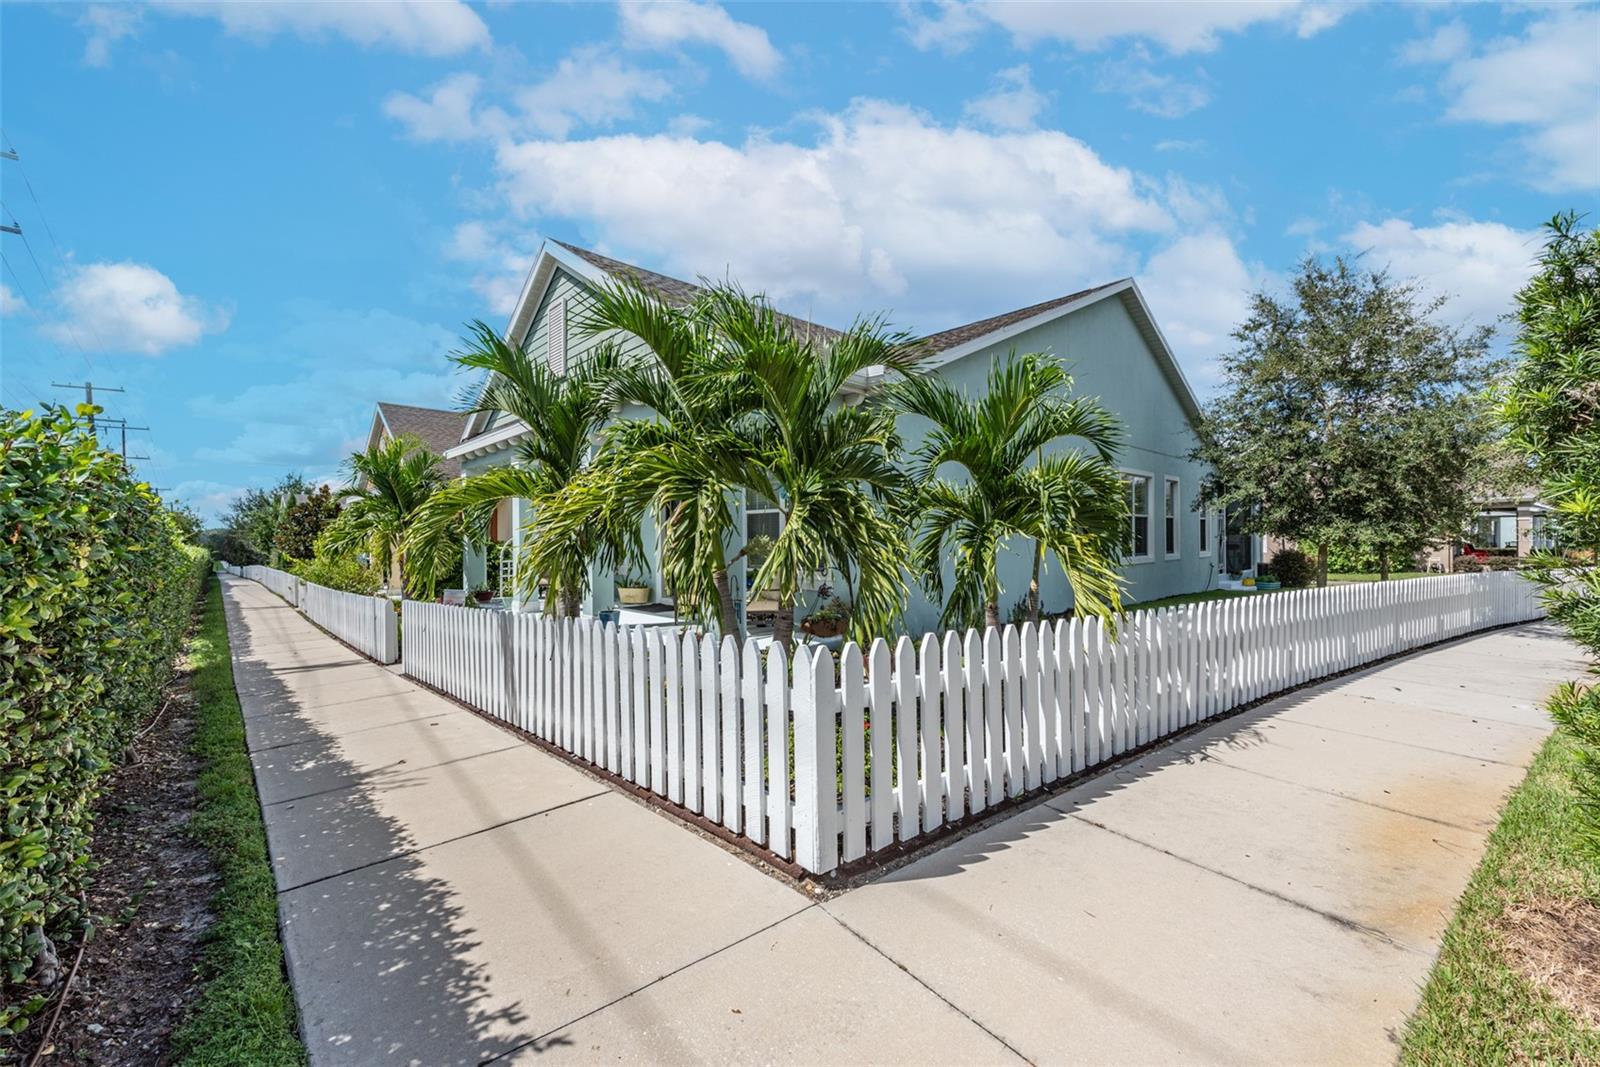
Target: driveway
pixel 1269 889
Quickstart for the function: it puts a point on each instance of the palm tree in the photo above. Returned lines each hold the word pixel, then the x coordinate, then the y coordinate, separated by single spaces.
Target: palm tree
pixel 1070 504
pixel 389 483
pixel 680 462
pixel 563 414
pixel 827 462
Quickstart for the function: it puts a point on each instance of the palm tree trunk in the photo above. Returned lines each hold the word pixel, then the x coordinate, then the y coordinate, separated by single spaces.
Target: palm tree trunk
pixel 729 617
pixel 783 626
pixel 1034 605
pixel 991 614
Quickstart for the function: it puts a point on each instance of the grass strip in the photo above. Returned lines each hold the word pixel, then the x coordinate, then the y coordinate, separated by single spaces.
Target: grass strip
pixel 1475 1007
pixel 245 1014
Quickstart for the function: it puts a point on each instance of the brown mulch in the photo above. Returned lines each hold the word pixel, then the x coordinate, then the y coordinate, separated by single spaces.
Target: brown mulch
pixel 149 900
pixel 1555 944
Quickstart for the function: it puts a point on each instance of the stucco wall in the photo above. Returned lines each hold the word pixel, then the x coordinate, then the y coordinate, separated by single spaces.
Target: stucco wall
pixel 1110 360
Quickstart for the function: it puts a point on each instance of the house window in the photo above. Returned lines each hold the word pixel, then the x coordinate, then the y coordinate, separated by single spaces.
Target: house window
pixel 556 325
pixel 1138 546
pixel 1169 516
pixel 761 517
pixel 1205 533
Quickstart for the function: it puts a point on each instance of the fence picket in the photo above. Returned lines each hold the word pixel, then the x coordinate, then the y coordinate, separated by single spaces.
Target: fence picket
pixel 852 750
pixel 880 737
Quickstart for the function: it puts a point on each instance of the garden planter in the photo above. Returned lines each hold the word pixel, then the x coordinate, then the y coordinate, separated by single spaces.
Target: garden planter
pixel 1267 585
pixel 825 627
pixel 483 596
pixel 633 594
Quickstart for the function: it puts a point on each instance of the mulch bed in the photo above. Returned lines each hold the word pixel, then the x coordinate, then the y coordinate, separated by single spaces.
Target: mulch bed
pixel 150 902
pixel 1555 944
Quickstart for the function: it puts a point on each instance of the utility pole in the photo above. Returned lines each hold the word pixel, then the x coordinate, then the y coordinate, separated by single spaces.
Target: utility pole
pixel 122 424
pixel 88 394
pixel 8 154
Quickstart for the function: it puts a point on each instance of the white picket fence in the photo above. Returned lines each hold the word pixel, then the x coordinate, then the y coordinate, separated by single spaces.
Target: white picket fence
pixel 283 583
pixel 368 624
pixel 826 765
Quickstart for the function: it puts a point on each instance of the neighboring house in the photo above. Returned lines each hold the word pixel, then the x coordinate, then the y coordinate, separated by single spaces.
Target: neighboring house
pixel 438 428
pixel 1107 337
pixel 1515 525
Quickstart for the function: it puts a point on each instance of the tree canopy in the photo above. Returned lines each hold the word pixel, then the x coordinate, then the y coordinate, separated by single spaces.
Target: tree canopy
pixel 1350 415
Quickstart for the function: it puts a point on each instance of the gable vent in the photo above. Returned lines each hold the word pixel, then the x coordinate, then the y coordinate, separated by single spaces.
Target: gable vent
pixel 557 325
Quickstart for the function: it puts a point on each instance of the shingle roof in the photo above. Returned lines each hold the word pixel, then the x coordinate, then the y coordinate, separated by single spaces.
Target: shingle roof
pixel 933 344
pixel 671 290
pixel 439 429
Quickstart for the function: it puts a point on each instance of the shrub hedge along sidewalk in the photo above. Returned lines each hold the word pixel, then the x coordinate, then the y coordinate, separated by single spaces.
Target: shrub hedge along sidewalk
pixel 96 589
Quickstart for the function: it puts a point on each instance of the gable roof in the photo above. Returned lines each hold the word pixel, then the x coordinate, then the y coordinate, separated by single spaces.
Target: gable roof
pixel 935 343
pixel 935 350
pixel 438 428
pixel 951 345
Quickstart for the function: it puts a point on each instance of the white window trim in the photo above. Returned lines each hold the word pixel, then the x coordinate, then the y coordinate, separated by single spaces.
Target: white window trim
pixel 1208 530
pixel 1173 548
pixel 556 337
pixel 1149 538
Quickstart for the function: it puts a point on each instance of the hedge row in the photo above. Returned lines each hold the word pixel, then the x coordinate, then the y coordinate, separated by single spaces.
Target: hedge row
pixel 96 589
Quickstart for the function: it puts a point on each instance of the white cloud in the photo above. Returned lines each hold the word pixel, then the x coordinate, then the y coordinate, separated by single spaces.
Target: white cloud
pixel 501 264
pixel 130 307
pixel 667 25
pixel 1479 265
pixel 591 87
pixel 1013 103
pixel 447 113
pixel 210 499
pixel 1163 95
pixel 839 223
pixel 1448 42
pixel 10 302
pixel 1547 82
pixel 1199 289
pixel 104 25
pixel 1179 26
pixel 982 220
pixel 422 27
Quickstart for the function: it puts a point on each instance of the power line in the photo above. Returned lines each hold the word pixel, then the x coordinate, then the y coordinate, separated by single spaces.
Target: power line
pixel 88 395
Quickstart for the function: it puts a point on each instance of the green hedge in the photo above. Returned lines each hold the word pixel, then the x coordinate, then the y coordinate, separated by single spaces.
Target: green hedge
pixel 96 589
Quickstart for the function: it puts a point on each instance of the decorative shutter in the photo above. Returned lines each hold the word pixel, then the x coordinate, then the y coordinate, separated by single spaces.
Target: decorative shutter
pixel 557 325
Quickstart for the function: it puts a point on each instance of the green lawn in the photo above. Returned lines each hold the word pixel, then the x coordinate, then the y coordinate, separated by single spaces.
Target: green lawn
pixel 245 1014
pixel 1393 575
pixel 1475 1007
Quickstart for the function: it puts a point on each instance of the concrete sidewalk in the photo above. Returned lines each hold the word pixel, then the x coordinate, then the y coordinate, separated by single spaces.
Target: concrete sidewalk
pixel 1269 889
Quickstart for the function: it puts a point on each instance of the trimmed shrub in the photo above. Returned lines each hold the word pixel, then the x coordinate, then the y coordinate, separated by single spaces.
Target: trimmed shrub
pixel 96 590
pixel 334 569
pixel 1294 568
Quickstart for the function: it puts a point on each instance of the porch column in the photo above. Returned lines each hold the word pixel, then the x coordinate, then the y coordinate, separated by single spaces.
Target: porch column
pixel 518 518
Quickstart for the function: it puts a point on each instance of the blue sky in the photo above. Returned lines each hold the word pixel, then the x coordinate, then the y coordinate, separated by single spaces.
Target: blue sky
pixel 261 218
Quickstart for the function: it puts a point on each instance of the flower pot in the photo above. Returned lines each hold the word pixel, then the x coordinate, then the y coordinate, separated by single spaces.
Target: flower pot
pixel 633 594
pixel 1267 585
pixel 826 627
pixel 483 596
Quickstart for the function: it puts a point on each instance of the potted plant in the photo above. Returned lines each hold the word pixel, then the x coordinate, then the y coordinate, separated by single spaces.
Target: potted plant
pixel 633 589
pixel 1266 581
pixel 482 593
pixel 829 620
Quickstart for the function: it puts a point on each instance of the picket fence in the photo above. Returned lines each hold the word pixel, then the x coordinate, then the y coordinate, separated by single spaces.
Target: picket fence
pixel 825 764
pixel 368 624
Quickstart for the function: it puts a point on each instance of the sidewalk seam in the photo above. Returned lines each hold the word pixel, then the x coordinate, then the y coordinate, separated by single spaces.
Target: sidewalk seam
pixel 653 982
pixel 436 844
pixel 1333 917
pixel 859 936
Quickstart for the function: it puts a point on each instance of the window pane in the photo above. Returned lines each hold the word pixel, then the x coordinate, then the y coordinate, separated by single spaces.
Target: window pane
pixel 760 523
pixel 1141 496
pixel 1172 534
pixel 1141 535
pixel 1172 499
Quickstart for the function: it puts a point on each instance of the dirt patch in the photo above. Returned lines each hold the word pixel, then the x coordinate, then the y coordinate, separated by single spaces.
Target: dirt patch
pixel 1555 944
pixel 149 901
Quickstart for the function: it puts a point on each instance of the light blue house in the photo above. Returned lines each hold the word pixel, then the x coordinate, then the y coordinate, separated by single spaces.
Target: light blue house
pixel 1105 335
